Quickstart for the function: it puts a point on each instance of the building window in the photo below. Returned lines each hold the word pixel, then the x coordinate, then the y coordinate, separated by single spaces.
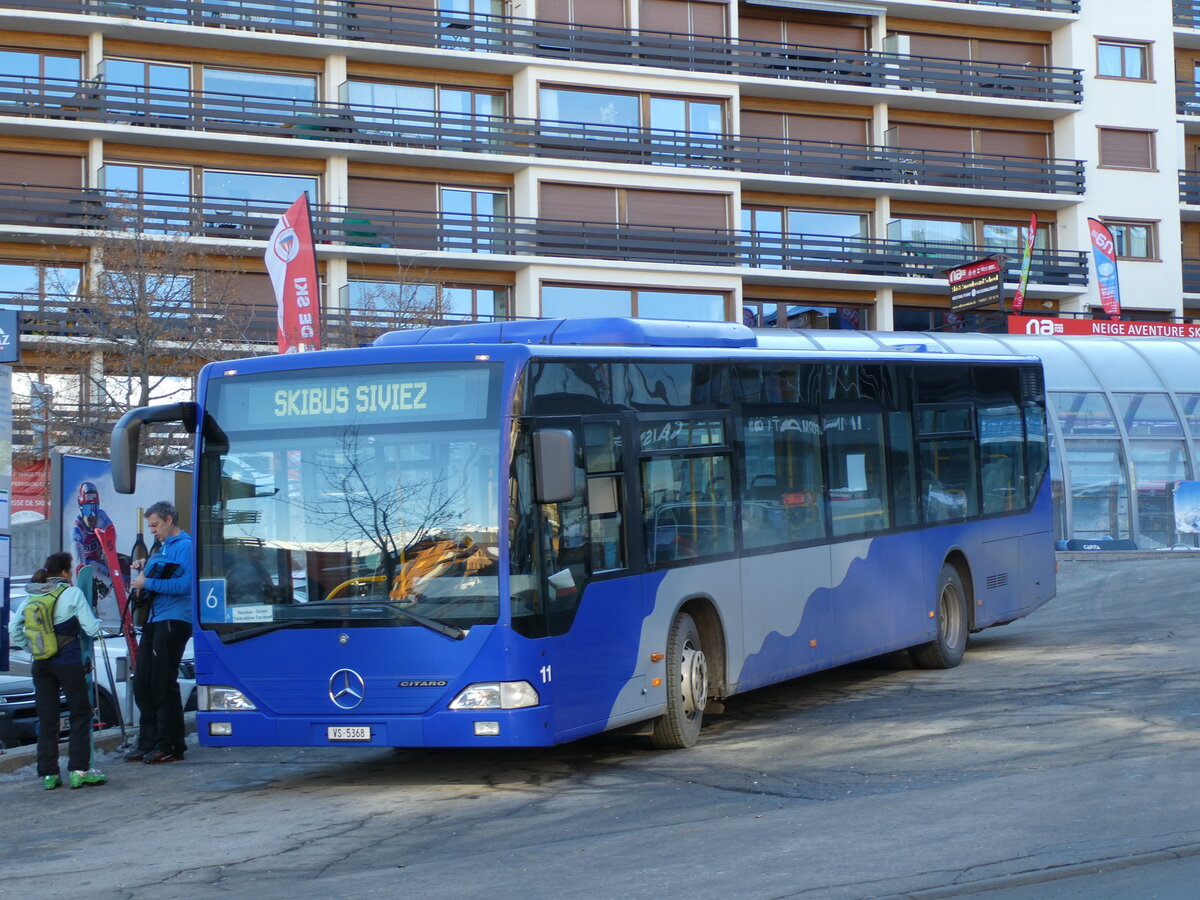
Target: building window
pixel 28 286
pixel 421 301
pixel 238 96
pixel 803 315
pixel 420 110
pixel 1134 240
pixel 1123 59
pixel 258 188
pixel 1134 315
pixel 914 318
pixel 33 66
pixel 600 109
pixel 791 237
pixel 1126 148
pixel 235 200
pixel 573 301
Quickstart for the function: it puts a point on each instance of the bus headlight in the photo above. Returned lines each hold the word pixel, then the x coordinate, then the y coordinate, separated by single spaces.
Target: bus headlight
pixel 496 695
pixel 210 698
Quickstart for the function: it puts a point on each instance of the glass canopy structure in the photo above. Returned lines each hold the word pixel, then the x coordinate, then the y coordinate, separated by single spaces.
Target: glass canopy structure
pixel 1124 424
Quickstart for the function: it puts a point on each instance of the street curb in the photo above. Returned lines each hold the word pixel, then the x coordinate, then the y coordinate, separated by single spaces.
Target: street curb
pixel 108 740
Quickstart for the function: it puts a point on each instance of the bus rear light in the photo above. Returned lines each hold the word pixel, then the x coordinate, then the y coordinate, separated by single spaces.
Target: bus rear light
pixel 496 695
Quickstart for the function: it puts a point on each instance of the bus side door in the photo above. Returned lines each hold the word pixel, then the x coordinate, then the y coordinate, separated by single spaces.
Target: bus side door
pixel 594 604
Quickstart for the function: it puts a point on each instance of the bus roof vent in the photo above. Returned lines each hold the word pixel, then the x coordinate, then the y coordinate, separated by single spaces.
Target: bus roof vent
pixel 607 331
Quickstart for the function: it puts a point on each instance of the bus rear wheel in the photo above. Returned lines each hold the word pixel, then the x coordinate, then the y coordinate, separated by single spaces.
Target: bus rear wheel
pixel 687 687
pixel 946 650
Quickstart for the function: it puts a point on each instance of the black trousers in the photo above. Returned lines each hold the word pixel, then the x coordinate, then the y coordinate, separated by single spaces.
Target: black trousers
pixel 156 685
pixel 48 680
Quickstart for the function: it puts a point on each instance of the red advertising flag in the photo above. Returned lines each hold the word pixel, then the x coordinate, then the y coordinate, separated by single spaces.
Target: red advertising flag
pixel 292 265
pixel 1026 263
pixel 1104 252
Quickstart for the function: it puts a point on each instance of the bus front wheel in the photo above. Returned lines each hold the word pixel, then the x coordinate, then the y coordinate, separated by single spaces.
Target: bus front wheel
pixel 687 687
pixel 946 650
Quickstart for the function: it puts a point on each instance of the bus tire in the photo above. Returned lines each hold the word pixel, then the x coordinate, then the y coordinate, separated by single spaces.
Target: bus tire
pixel 946 650
pixel 687 687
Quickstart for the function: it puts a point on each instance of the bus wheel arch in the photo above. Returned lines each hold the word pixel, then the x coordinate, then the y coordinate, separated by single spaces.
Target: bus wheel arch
pixel 952 612
pixel 712 633
pixel 693 631
pixel 958 559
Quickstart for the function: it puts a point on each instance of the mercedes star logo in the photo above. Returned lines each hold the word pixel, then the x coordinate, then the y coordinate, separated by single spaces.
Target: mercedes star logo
pixel 346 688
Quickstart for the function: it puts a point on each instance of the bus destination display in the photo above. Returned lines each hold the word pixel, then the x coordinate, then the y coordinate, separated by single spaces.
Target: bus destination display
pixel 359 397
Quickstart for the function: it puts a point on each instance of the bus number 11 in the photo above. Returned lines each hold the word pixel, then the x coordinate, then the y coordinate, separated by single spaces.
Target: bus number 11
pixel 546 674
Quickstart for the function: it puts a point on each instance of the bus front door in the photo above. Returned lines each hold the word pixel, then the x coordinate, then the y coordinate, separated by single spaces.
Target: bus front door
pixel 594 605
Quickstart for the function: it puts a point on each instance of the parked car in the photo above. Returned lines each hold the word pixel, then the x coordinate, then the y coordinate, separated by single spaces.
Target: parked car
pixel 17 702
pixel 18 711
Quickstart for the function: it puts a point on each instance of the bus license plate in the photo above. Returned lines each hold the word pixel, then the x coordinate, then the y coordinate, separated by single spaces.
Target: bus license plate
pixel 348 732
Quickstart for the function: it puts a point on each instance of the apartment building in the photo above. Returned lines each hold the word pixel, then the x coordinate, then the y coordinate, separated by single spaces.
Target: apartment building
pixel 788 163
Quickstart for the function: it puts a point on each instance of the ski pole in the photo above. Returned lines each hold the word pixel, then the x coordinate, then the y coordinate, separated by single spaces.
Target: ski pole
pixel 112 684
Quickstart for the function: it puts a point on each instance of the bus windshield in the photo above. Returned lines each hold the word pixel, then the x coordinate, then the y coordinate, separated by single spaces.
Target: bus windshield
pixel 361 496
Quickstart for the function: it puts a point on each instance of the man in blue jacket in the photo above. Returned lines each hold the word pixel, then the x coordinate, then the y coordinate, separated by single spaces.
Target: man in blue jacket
pixel 167 576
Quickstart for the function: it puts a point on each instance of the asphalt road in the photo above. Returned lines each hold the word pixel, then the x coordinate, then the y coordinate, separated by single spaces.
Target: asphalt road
pixel 1061 760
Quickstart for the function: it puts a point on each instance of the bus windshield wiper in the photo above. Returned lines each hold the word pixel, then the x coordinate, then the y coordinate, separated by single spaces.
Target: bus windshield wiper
pixel 450 631
pixel 232 637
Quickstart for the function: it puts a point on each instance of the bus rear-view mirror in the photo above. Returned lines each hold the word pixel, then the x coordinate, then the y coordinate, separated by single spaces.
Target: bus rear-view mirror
pixel 554 465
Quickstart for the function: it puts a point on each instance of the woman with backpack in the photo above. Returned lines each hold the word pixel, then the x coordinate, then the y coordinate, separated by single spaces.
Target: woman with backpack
pixel 48 623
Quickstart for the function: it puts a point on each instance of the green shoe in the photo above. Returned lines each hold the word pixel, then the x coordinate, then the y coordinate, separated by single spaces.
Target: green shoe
pixel 80 778
pixel 50 782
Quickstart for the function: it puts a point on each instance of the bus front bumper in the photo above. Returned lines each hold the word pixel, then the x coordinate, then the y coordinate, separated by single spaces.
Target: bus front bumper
pixel 529 727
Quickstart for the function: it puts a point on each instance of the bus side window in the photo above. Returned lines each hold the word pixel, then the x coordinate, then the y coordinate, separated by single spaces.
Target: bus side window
pixel 948 482
pixel 604 495
pixel 782 480
pixel 688 510
pixel 566 550
pixel 1001 458
pixel 858 488
pixel 904 473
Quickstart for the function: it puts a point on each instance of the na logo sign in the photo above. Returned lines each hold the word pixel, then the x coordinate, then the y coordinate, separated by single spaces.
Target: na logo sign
pixel 10 335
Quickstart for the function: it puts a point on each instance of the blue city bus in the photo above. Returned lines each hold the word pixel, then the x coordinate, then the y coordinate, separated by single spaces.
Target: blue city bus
pixel 522 533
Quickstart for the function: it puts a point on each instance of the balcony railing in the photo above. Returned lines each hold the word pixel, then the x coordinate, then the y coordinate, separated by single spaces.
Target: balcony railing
pixel 1191 276
pixel 420 231
pixel 1187 98
pixel 1189 186
pixel 428 130
pixel 60 315
pixel 1187 13
pixel 1064 6
pixel 532 37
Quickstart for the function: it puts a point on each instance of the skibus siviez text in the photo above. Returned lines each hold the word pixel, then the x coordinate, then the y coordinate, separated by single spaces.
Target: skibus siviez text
pixel 522 533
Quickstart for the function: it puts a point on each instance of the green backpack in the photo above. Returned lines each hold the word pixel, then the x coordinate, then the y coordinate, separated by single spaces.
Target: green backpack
pixel 39 623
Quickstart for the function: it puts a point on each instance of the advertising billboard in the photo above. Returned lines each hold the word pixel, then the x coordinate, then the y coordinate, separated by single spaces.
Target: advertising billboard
pixel 980 283
pixel 84 499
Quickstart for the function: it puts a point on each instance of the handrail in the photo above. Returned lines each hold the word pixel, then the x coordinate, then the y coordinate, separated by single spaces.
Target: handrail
pixel 420 230
pixel 446 30
pixel 192 110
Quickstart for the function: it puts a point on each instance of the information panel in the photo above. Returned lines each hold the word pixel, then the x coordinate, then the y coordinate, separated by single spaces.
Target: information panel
pixel 342 398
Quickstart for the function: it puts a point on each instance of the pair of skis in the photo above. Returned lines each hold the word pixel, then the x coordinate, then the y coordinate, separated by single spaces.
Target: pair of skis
pixel 108 546
pixel 84 580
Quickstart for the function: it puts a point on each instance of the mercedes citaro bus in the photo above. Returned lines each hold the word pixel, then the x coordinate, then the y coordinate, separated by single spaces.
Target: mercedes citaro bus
pixel 522 533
